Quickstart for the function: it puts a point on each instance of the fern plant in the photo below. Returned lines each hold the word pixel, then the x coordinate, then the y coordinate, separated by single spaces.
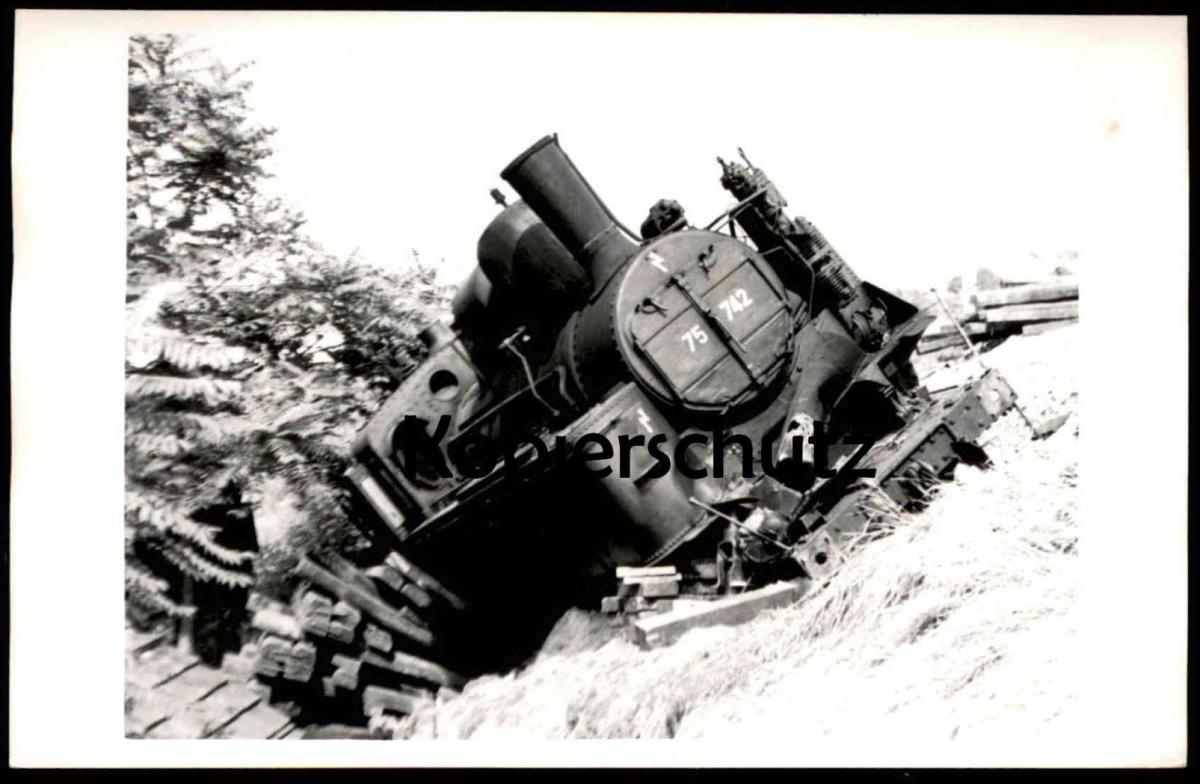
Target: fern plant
pixel 181 419
pixel 253 356
pixel 193 170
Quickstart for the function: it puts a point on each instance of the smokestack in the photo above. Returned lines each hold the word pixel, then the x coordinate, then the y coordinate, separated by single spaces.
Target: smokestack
pixel 549 183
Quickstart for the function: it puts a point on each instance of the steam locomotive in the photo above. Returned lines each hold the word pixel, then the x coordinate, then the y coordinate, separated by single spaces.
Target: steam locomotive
pixel 723 399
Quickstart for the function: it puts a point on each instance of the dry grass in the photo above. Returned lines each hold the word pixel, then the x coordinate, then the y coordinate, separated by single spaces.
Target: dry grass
pixel 960 622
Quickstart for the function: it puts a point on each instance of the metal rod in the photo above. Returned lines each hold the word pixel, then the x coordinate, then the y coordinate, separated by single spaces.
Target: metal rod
pixel 713 225
pixel 739 524
pixel 978 358
pixel 508 344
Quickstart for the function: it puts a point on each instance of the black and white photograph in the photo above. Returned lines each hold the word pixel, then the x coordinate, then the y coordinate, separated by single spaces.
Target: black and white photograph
pixel 767 389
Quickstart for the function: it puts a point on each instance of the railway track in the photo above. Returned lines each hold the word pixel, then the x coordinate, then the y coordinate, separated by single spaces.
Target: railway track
pixel 170 693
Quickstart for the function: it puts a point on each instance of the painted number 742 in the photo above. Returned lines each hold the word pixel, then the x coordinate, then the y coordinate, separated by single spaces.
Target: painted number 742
pixel 735 303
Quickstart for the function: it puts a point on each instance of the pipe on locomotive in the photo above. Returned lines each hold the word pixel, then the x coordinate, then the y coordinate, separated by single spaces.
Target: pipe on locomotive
pixel 549 182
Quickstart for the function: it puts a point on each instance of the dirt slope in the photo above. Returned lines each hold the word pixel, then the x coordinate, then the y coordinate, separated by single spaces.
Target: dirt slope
pixel 958 624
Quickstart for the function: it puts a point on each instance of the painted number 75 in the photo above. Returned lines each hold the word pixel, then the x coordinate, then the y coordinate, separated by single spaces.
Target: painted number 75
pixel 694 337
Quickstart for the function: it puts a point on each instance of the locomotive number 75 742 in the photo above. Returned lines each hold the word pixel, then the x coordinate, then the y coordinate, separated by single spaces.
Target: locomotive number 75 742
pixel 735 303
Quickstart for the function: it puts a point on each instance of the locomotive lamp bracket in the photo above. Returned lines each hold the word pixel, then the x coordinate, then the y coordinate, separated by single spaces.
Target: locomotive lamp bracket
pixel 652 305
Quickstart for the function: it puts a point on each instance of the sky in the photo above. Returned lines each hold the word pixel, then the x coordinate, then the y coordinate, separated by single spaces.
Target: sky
pixel 921 146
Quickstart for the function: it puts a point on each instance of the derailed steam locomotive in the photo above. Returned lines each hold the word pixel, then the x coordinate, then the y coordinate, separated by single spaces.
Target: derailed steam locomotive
pixel 730 400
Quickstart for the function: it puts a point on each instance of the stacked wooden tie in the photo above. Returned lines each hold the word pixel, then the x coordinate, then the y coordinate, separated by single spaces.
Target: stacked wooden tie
pixel 1020 309
pixel 380 673
pixel 642 589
